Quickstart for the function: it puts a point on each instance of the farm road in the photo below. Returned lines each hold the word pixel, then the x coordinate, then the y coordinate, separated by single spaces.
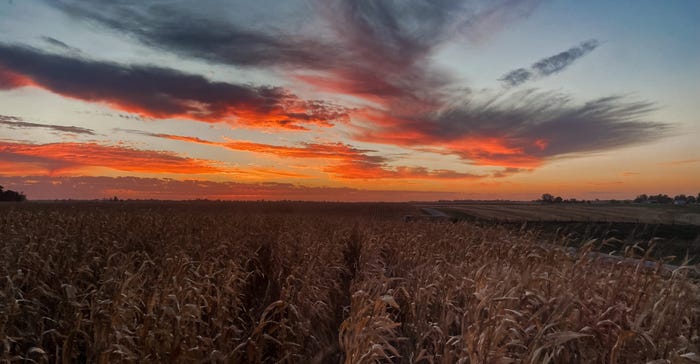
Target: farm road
pixel 434 212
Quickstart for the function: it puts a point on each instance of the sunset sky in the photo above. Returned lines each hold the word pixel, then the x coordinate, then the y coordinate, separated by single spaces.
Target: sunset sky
pixel 349 99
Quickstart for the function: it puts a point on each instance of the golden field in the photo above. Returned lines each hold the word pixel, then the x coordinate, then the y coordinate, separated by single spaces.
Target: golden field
pixel 320 283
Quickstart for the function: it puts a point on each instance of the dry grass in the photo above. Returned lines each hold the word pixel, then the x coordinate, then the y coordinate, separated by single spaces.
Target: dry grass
pixel 621 212
pixel 319 283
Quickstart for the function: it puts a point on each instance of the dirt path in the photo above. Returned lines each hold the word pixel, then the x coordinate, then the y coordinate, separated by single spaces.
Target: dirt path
pixel 434 212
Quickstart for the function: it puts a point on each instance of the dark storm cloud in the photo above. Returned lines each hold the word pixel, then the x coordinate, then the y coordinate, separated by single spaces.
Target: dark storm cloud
pixel 14 122
pixel 550 65
pixel 162 92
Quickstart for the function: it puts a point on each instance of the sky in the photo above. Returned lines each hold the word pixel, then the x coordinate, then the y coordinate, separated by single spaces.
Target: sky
pixel 349 100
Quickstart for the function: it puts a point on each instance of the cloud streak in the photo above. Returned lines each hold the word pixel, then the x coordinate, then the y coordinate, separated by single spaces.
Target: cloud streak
pixel 75 158
pixel 180 31
pixel 60 45
pixel 345 161
pixel 161 92
pixel 14 122
pixel 550 65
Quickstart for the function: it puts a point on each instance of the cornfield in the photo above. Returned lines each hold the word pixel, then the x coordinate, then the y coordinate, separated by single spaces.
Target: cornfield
pixel 320 283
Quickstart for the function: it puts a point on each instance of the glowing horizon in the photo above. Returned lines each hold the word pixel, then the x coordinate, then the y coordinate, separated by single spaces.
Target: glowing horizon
pixel 349 100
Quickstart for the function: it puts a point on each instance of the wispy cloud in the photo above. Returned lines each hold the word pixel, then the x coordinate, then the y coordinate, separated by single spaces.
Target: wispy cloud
pixel 550 65
pixel 345 161
pixel 162 92
pixel 14 122
pixel 60 45
pixel 72 158
pixel 509 171
pixel 177 29
pixel 679 162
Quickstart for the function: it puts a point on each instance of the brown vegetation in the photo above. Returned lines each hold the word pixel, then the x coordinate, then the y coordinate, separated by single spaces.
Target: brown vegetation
pixel 297 283
pixel 606 212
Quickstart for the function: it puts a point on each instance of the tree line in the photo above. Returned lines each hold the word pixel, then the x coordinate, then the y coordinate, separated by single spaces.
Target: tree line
pixel 643 198
pixel 549 198
pixel 663 198
pixel 9 195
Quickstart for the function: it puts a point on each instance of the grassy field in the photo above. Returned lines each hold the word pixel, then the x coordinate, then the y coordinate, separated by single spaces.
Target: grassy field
pixel 320 283
pixel 621 212
pixel 673 231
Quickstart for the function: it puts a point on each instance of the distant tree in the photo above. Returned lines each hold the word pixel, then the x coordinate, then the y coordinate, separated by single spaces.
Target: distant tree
pixel 10 195
pixel 660 199
pixel 641 198
pixel 558 199
pixel 691 199
pixel 547 198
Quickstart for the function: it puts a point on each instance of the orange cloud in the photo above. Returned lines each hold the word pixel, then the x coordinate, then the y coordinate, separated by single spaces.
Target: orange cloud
pixel 162 93
pixel 10 80
pixel 57 159
pixel 541 143
pixel 347 162
pixel 679 162
pixel 363 170
pixel 66 158
pixel 480 151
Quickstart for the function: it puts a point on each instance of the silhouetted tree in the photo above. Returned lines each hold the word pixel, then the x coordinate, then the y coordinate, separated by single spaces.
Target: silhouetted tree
pixel 680 198
pixel 10 195
pixel 660 199
pixel 558 199
pixel 547 198
pixel 641 198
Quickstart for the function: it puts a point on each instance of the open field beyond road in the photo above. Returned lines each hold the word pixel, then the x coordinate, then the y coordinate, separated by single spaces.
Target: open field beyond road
pixel 638 213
